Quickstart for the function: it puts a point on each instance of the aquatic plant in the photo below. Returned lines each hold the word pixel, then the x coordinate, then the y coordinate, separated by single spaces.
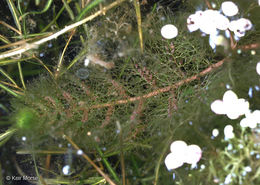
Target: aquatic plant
pixel 102 91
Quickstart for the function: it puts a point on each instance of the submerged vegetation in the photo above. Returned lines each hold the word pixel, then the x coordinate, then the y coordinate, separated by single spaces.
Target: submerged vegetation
pixel 91 93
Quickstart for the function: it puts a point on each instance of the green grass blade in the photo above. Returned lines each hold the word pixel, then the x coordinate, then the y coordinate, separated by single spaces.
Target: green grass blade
pixel 6 62
pixel 53 21
pixel 8 90
pixel 47 6
pixel 67 7
pixel 4 39
pixel 7 76
pixel 14 13
pixel 109 167
pixel 5 136
pixel 21 74
pixel 87 8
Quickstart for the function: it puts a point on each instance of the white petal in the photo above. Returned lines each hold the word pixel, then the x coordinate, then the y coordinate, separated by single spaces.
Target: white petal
pixel 169 31
pixel 233 115
pixel 233 25
pixel 172 162
pixel 222 22
pixel 256 116
pixel 178 147
pixel 252 124
pixel 193 154
pixel 229 97
pixel 244 123
pixel 192 22
pixel 229 8
pixel 244 24
pixel 228 132
pixel 242 106
pixel 217 107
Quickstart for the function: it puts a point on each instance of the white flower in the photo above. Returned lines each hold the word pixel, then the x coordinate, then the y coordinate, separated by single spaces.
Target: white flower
pixel 251 120
pixel 230 105
pixel 228 132
pixel 193 21
pixel 258 68
pixel 229 8
pixel 169 31
pixel 182 153
pixel 240 26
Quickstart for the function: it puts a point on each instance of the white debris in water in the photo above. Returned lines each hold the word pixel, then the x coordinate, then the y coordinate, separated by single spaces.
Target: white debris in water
pixel 169 31
pixel 23 138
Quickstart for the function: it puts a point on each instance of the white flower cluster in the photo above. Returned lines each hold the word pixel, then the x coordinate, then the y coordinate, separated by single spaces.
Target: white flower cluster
pixel 210 22
pixel 230 105
pixel 182 153
pixel 234 107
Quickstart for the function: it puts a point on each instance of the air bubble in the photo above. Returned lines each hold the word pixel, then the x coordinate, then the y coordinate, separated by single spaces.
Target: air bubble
pixel 228 86
pixel 173 176
pixel 23 138
pixel 82 73
pixel 250 92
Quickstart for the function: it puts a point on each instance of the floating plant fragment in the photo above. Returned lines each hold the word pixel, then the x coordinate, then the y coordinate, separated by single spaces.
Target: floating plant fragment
pixel 182 153
pixel 229 8
pixel 169 31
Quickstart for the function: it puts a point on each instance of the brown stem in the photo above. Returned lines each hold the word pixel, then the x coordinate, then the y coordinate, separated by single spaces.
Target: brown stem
pixel 162 90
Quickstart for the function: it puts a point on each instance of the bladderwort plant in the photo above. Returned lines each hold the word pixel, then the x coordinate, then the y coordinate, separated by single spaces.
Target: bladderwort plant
pixel 93 94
